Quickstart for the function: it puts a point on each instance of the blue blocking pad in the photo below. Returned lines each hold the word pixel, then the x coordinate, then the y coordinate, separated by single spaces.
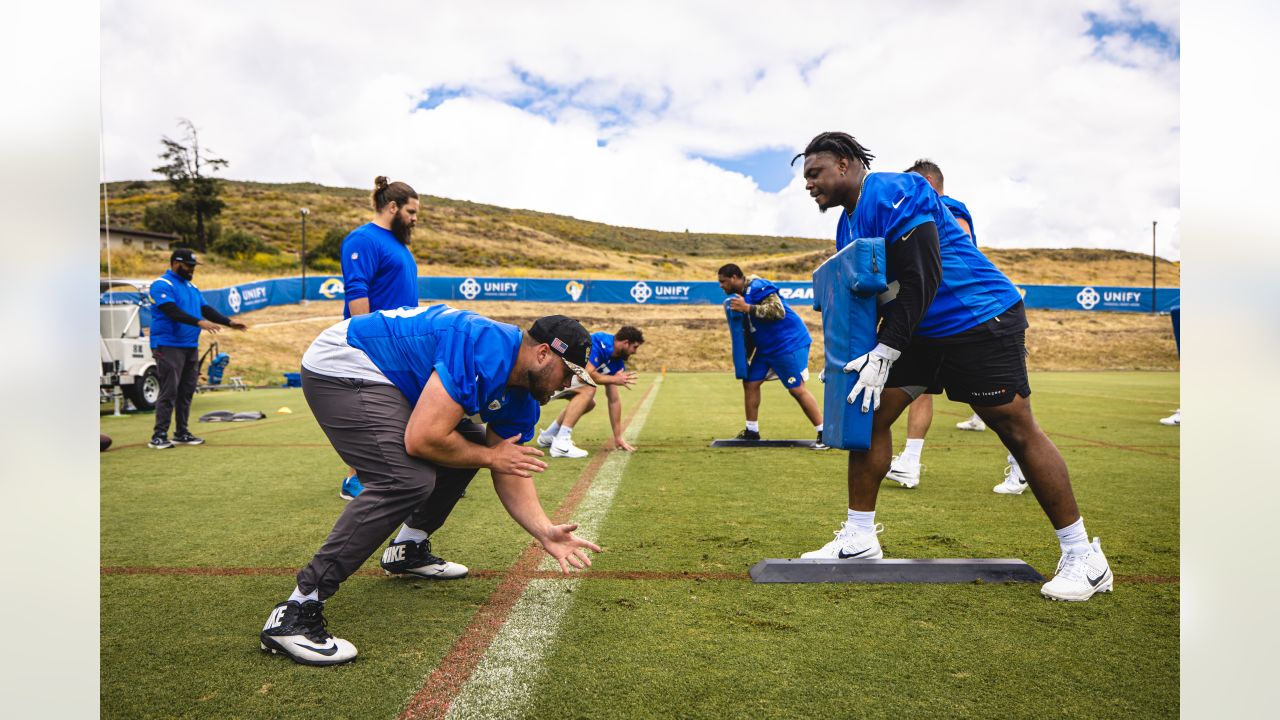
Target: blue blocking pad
pixel 844 291
pixel 738 336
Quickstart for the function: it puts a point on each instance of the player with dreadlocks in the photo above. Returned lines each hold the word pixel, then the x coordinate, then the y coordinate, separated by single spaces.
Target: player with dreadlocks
pixel 949 321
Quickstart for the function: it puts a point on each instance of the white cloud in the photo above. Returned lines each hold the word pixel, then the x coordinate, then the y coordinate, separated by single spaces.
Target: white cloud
pixel 1052 137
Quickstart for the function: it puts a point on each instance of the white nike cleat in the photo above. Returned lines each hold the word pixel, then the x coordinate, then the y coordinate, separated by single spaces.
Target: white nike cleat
pixel 1080 575
pixel 566 449
pixel 974 423
pixel 545 439
pixel 1174 419
pixel 850 544
pixel 297 631
pixel 905 472
pixel 1014 481
pixel 415 558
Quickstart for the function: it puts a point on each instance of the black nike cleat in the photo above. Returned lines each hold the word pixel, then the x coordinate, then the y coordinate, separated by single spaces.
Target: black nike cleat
pixel 298 631
pixel 748 435
pixel 416 558
pixel 186 438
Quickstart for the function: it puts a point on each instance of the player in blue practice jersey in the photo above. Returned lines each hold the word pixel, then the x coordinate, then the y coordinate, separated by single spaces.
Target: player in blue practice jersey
pixel 777 343
pixel 395 391
pixel 949 321
pixel 607 366
pixel 379 271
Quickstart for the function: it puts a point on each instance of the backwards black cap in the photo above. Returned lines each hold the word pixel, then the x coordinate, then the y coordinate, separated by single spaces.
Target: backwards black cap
pixel 184 255
pixel 567 338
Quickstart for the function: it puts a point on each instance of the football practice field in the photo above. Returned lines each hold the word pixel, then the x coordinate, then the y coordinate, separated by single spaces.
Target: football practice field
pixel 198 544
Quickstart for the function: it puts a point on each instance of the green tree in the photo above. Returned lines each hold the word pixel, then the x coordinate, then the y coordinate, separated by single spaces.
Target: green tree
pixel 331 246
pixel 239 244
pixel 188 168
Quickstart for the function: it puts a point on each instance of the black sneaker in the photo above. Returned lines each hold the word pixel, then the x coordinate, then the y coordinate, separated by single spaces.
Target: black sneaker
pixel 415 558
pixel 819 445
pixel 297 630
pixel 748 435
pixel 159 442
pixel 186 438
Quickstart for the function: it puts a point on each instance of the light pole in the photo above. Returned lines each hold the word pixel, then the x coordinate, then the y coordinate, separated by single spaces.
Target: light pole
pixel 304 212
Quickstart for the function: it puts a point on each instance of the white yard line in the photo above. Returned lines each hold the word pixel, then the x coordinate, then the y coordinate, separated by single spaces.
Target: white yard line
pixel 503 682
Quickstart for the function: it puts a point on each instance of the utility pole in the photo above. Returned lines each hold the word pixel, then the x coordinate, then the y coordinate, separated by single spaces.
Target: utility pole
pixel 1153 266
pixel 305 212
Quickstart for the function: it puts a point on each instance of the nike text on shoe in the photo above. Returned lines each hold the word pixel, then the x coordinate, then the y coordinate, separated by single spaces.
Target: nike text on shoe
pixel 1014 482
pixel 1174 419
pixel 415 558
pixel 849 544
pixel 906 474
pixel 974 423
pixel 350 488
pixel 819 445
pixel 566 449
pixel 748 435
pixel 297 630
pixel 159 442
pixel 1080 575
pixel 187 438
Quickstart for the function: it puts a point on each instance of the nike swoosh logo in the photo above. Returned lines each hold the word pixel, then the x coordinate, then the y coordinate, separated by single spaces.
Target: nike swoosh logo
pixel 895 205
pixel 323 651
pixel 842 556
pixel 1093 582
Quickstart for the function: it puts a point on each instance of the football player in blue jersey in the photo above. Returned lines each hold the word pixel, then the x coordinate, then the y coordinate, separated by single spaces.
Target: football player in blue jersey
pixel 778 343
pixel 607 366
pixel 395 392
pixel 949 321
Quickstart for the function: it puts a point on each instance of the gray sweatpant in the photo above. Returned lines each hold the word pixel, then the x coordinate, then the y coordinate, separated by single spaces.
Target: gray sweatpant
pixel 365 422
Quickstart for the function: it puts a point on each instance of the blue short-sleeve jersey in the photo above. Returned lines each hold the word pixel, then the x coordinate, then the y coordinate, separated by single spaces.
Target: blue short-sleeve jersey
pixel 170 288
pixel 960 212
pixel 472 354
pixel 377 266
pixel 601 357
pixel 774 337
pixel 972 290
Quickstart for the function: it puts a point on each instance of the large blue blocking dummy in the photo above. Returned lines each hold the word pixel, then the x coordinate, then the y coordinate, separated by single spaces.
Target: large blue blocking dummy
pixel 741 339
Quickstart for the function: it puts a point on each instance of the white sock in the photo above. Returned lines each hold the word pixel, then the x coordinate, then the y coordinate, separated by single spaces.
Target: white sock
pixel 818 427
pixel 1073 538
pixel 297 595
pixel 753 425
pixel 912 451
pixel 552 429
pixel 565 433
pixel 862 521
pixel 408 533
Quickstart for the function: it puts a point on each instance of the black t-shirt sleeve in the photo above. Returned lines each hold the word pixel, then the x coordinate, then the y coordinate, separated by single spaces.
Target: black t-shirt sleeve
pixel 176 314
pixel 916 263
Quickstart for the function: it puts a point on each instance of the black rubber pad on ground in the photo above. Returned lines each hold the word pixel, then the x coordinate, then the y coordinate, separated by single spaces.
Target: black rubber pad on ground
pixel 895 570
pixel 733 443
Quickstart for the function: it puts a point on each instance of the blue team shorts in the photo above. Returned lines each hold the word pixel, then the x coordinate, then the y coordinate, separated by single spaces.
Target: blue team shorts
pixel 791 368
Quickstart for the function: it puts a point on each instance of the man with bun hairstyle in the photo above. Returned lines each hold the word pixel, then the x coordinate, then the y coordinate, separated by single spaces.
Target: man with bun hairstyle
pixel 379 271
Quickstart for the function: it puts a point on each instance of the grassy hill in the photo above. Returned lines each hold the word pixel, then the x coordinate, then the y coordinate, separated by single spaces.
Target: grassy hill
pixel 463 238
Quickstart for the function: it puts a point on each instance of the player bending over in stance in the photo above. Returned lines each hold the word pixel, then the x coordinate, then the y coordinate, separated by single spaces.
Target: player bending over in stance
pixel 777 342
pixel 393 391
pixel 949 320
pixel 607 366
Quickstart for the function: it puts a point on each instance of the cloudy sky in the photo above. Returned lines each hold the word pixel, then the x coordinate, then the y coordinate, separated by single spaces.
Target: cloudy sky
pixel 1056 121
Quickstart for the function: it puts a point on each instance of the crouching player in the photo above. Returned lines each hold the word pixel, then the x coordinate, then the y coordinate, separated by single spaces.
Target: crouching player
pixel 607 366
pixel 393 391
pixel 949 321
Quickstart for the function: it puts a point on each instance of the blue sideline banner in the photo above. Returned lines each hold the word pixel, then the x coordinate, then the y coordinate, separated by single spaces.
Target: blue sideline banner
pixel 265 293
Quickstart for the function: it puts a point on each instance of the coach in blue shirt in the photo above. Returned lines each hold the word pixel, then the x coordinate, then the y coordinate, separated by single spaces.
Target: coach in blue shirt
pixel 379 271
pixel 180 313
pixel 949 321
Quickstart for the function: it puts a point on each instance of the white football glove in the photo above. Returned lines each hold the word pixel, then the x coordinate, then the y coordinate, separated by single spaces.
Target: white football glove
pixel 873 371
pixel 822 375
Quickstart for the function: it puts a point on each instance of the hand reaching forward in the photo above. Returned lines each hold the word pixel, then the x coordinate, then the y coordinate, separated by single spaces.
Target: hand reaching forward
pixel 568 549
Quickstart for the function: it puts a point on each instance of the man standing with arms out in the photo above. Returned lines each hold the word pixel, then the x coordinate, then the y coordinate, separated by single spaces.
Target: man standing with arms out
pixel 779 343
pixel 393 391
pixel 180 313
pixel 607 366
pixel 379 271
pixel 949 320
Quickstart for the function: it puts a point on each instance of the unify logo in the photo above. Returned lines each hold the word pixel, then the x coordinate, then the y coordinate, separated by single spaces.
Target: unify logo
pixel 469 288
pixel 641 292
pixel 254 295
pixel 1122 296
pixel 332 288
pixel 671 291
pixel 574 288
pixel 233 299
pixel 1088 298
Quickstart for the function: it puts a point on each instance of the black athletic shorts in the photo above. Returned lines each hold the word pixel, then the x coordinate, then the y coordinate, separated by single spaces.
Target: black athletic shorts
pixel 983 368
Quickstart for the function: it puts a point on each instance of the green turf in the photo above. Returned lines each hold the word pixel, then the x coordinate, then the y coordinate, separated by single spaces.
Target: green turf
pixel 264 495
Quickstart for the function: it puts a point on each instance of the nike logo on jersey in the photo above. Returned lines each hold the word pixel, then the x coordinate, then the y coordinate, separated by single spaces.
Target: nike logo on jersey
pixel 895 205
pixel 326 651
pixel 844 556
pixel 1093 581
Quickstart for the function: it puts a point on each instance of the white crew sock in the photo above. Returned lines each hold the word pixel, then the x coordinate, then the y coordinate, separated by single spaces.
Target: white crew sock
pixel 753 425
pixel 408 533
pixel 565 433
pixel 818 427
pixel 552 429
pixel 297 595
pixel 911 453
pixel 862 521
pixel 1073 538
